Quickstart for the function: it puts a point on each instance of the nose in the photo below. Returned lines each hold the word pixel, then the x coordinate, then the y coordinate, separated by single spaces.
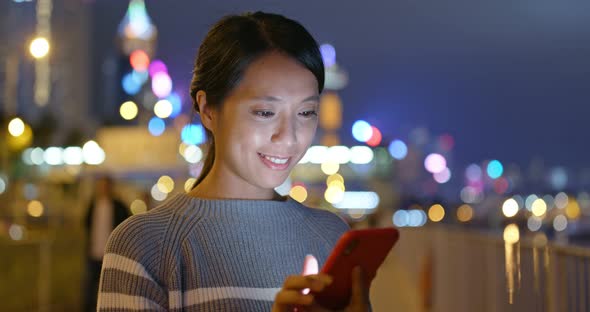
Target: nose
pixel 285 132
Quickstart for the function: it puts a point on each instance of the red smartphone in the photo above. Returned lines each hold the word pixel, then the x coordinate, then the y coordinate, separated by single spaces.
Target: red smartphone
pixel 366 248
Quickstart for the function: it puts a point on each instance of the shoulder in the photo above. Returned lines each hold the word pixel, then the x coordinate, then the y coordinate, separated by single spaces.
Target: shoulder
pixel 324 221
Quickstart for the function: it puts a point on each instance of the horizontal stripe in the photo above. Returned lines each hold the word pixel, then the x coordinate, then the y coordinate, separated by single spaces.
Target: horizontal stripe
pixel 113 300
pixel 117 281
pixel 114 261
pixel 204 295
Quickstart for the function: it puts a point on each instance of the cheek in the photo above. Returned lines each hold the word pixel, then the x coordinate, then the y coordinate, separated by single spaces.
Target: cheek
pixel 307 133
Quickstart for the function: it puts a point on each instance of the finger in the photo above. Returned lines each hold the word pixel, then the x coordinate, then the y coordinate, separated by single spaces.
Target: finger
pixel 360 294
pixel 314 282
pixel 293 297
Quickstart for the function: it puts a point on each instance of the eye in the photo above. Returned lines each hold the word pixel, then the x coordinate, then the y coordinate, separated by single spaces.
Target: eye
pixel 309 113
pixel 264 114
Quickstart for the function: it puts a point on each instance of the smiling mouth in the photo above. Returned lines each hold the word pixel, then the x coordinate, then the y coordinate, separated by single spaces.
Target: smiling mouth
pixel 275 160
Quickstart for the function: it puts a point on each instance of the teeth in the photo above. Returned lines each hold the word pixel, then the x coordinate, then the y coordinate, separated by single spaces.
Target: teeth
pixel 278 161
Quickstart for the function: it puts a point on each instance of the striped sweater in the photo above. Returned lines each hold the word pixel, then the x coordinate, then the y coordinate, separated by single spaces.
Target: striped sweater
pixel 193 254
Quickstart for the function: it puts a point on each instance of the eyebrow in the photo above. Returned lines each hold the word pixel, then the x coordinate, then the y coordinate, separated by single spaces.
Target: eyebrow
pixel 314 98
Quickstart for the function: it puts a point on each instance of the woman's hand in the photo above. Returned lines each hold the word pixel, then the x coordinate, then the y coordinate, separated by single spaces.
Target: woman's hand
pixel 291 295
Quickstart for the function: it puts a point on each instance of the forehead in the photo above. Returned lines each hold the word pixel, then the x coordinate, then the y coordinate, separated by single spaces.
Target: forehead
pixel 275 74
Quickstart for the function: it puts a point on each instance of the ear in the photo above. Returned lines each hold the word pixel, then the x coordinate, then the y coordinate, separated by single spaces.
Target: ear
pixel 206 112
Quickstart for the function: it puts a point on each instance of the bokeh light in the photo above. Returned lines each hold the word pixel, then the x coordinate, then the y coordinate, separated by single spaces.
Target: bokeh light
pixel 176 103
pixel 330 167
pixel 436 213
pixel 561 200
pixel 560 223
pixel 37 156
pixel 417 218
pixel 375 138
pixel 511 234
pixel 188 184
pixel 193 134
pixel 473 173
pixel 298 193
pixel 572 209
pixel 35 208
pixel 138 206
pixel 139 60
pixel 163 109
pixel 495 169
pixel 528 203
pixel 534 223
pixel 334 194
pixel 193 154
pixel 92 153
pixel 398 149
pixel 157 194
pixel 362 131
pixel 510 208
pixel 401 218
pixel 39 47
pixel 161 85
pixel 464 213
pixel 333 178
pixel 128 110
pixel 328 54
pixel 165 184
pixel 53 156
pixel 358 200
pixel 435 163
pixel 157 66
pixel 16 127
pixel 156 126
pixel 443 176
pixel 2 185
pixel 558 178
pixel 338 153
pixel 539 207
pixel 361 155
pixel 130 85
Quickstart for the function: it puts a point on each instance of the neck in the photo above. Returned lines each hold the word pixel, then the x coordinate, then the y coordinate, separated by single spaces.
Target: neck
pixel 214 186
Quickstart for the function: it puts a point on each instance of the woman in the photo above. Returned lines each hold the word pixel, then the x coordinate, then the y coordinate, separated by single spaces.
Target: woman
pixel 232 243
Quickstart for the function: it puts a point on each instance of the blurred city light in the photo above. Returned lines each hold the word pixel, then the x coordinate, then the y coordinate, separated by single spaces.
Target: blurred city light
pixel 362 131
pixel 193 134
pixel 338 153
pixel 330 167
pixel 53 156
pixel 435 163
pixel 561 200
pixel 328 54
pixel 558 178
pixel 528 203
pixel 163 109
pixel 193 154
pixel 130 85
pixel 464 213
pixel 2 185
pixel 436 213
pixel 16 232
pixel 16 127
pixel 161 85
pixel 128 110
pixel 176 103
pixel 511 234
pixel 361 155
pixel 72 155
pixel 417 217
pixel 358 200
pixel 298 193
pixel 157 194
pixel 560 223
pixel 401 218
pixel 333 178
pixel 443 176
pixel 534 223
pixel 572 209
pixel 93 154
pixel 37 156
pixel 39 47
pixel 539 207
pixel 375 138
pixel 189 184
pixel 139 60
pixel 138 206
pixel 35 208
pixel 495 169
pixel 470 195
pixel 157 66
pixel 473 173
pixel 156 126
pixel 398 149
pixel 165 184
pixel 334 194
pixel 510 208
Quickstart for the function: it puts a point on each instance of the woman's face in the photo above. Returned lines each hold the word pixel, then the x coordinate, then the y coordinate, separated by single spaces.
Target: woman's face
pixel 266 124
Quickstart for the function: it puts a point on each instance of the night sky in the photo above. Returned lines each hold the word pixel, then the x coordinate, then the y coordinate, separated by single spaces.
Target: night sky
pixel 507 79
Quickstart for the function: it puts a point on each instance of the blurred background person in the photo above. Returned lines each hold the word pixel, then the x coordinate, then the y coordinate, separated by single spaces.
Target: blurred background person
pixel 104 213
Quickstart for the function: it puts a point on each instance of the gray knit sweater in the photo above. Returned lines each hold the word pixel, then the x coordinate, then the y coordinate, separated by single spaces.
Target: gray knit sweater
pixel 194 254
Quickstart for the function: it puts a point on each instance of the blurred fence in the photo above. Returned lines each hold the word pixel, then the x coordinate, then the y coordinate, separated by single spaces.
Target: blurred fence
pixel 460 270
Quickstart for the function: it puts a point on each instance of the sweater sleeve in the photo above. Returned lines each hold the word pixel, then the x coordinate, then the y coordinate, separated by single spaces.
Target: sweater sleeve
pixel 129 277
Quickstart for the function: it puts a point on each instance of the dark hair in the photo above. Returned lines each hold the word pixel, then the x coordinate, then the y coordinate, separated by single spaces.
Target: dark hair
pixel 235 42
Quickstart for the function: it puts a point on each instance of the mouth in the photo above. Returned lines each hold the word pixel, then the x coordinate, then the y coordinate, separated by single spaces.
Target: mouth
pixel 275 162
